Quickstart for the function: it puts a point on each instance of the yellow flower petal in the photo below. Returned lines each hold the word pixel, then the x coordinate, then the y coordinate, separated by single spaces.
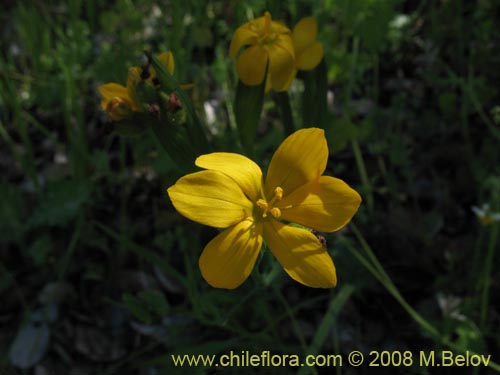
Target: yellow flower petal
pixel 290 79
pixel 279 28
pixel 116 101
pixel 112 90
pixel 244 171
pixel 329 204
pixel 310 57
pixel 133 78
pixel 241 37
pixel 285 42
pixel 301 254
pixel 271 43
pixel 251 65
pixel 301 158
pixel 167 59
pixel 281 62
pixel 210 198
pixel 228 260
pixel 304 33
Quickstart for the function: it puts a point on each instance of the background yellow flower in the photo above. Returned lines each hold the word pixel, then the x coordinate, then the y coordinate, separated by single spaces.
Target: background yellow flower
pixel 119 101
pixel 308 50
pixel 269 46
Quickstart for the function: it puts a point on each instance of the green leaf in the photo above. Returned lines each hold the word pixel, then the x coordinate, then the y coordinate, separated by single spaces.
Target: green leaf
pixel 374 27
pixel 340 133
pixel 60 203
pixel 11 207
pixel 40 250
pixel 155 301
pixel 136 307
pixel 185 141
pixel 470 336
pixel 132 126
pixel 169 83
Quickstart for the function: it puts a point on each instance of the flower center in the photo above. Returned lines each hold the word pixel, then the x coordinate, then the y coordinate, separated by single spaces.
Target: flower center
pixel 267 207
pixel 265 34
pixel 117 108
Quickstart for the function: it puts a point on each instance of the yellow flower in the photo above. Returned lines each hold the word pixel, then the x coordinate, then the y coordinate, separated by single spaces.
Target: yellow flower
pixel 232 194
pixel 270 45
pixel 119 101
pixel 308 51
pixel 167 59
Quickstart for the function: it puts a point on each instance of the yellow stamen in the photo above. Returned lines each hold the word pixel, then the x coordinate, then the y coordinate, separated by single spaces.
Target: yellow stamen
pixel 278 193
pixel 275 212
pixel 268 206
pixel 264 32
pixel 262 204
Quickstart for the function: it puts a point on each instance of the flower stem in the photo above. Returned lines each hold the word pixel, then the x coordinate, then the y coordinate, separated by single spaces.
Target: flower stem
pixel 248 104
pixel 486 275
pixel 293 320
pixel 358 156
pixel 66 259
pixel 283 101
pixel 347 116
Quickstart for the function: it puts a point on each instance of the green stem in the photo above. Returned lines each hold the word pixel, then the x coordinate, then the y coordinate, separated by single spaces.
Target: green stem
pixel 76 134
pixel 471 93
pixel 314 97
pixel 248 105
pixel 329 318
pixel 121 254
pixel 239 305
pixel 283 100
pixel 193 129
pixel 232 124
pixel 12 104
pixel 63 267
pixel 261 285
pixel 358 155
pixel 487 274
pixel 376 269
pixel 295 324
pixel 29 160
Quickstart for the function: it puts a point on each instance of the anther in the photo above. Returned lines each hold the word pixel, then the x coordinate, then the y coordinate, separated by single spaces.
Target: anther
pixel 275 212
pixel 278 193
pixel 262 204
